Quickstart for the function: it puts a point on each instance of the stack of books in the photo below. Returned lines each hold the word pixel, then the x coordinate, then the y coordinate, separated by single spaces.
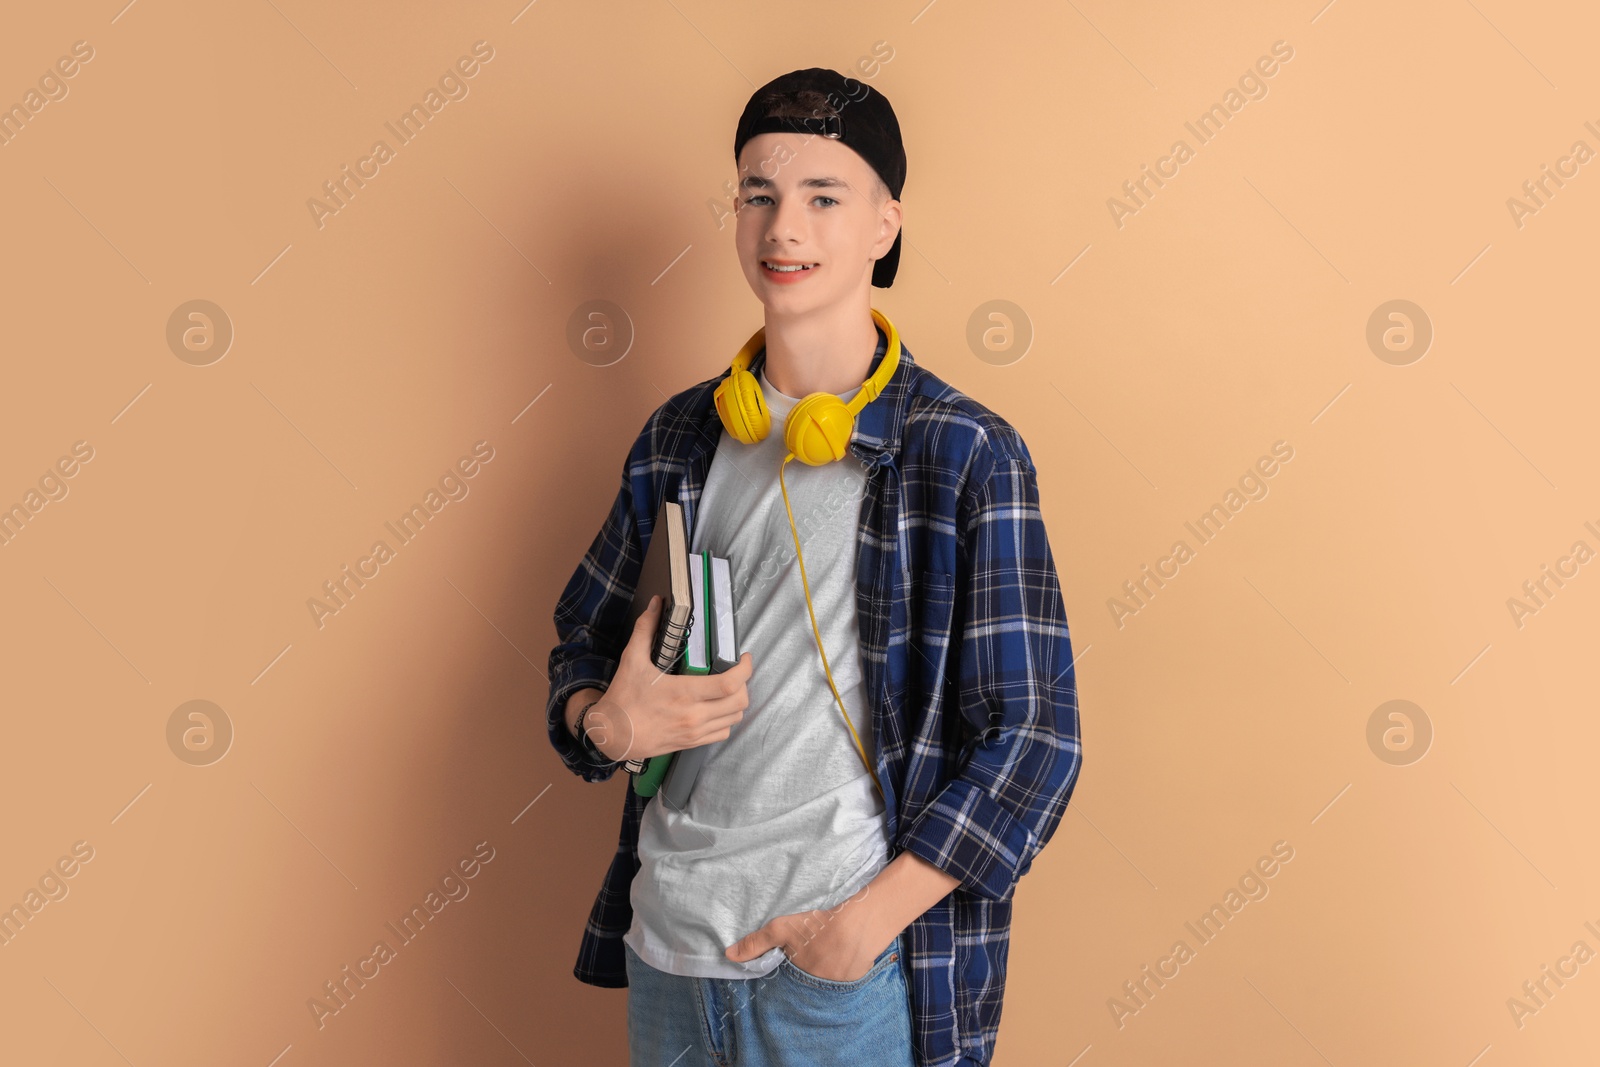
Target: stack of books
pixel 695 635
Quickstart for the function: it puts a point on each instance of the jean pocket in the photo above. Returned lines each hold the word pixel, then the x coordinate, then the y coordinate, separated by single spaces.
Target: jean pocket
pixel 888 958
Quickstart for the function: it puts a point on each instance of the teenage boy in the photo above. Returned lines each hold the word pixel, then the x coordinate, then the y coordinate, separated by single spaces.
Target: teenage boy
pixel 833 892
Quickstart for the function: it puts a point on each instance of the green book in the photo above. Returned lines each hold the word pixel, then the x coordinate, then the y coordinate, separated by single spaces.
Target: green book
pixel 697 651
pixel 646 782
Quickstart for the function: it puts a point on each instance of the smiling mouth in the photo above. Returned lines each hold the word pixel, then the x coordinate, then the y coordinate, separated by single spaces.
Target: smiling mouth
pixel 783 269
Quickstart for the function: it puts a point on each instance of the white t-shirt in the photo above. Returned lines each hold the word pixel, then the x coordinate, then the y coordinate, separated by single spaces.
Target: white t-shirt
pixel 784 816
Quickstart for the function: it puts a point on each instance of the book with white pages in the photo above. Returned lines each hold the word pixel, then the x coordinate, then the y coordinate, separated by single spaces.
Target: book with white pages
pixel 697 653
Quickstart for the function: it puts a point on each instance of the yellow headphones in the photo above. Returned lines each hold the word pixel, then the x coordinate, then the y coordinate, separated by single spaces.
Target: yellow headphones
pixel 817 432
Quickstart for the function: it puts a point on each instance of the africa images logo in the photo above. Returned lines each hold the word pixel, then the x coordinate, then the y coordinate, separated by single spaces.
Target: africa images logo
pixel 453 85
pixel 339 991
pixel 453 486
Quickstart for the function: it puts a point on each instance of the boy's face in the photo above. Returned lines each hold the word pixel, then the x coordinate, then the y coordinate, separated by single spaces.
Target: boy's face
pixel 813 201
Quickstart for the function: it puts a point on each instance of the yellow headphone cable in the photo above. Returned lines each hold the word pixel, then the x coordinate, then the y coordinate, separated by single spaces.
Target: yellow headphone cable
pixel 806 586
pixel 817 431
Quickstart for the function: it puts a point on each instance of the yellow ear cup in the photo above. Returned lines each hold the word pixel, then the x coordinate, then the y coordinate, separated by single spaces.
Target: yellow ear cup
pixel 819 426
pixel 741 408
pixel 818 429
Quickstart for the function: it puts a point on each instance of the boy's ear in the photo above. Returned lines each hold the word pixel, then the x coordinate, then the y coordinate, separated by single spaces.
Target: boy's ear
pixel 890 219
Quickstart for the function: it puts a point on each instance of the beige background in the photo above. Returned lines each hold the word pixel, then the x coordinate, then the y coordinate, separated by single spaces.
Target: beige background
pixel 370 354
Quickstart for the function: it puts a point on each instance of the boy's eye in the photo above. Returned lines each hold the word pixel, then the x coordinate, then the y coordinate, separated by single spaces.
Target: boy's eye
pixel 759 196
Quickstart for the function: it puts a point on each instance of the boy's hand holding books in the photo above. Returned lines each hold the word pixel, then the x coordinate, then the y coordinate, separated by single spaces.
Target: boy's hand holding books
pixel 646 712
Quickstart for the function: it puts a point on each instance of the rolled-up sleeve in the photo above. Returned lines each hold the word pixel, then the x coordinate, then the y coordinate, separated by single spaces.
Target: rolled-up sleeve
pixel 1016 688
pixel 593 621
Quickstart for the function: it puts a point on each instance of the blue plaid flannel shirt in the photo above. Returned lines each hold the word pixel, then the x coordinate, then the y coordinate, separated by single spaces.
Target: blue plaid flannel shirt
pixel 964 645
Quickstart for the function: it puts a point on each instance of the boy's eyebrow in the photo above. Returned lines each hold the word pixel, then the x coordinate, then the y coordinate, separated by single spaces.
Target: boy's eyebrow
pixel 756 181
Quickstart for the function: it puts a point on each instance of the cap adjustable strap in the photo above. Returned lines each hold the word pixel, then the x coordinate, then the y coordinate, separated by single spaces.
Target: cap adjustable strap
pixel 824 126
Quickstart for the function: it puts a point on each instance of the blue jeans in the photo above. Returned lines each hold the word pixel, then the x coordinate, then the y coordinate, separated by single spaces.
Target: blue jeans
pixel 787 1018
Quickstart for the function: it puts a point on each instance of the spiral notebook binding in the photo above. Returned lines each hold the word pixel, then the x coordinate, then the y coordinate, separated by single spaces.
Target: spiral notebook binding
pixel 673 638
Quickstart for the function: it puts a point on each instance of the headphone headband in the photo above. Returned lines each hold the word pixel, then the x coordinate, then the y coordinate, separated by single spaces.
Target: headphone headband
pixel 871 389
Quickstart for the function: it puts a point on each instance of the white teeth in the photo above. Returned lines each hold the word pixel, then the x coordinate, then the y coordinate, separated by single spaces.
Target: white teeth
pixel 803 266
